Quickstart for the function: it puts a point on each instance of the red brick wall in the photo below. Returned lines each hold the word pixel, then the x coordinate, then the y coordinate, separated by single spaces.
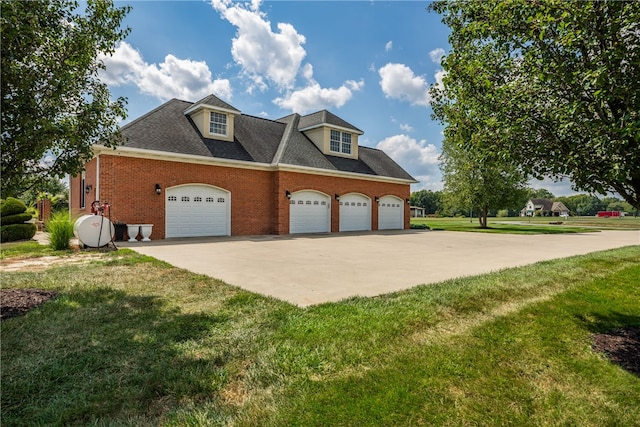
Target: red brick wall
pixel 258 200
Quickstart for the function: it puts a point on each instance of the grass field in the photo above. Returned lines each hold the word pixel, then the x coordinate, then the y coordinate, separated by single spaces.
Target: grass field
pixel 535 225
pixel 133 341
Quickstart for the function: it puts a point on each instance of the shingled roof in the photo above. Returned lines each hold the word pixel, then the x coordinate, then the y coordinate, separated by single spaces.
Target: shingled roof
pixel 281 142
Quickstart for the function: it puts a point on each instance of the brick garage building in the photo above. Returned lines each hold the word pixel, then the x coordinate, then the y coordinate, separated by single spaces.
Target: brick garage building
pixel 206 169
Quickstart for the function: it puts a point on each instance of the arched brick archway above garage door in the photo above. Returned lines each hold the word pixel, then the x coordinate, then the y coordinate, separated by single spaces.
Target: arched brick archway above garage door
pixel 195 210
pixel 309 212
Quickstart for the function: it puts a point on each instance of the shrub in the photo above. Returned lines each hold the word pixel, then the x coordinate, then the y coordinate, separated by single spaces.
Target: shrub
pixel 20 218
pixel 13 232
pixel 11 206
pixel 420 226
pixel 13 216
pixel 60 230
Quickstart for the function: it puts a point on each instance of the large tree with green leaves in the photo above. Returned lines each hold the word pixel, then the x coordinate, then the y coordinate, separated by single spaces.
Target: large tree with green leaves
pixel 554 82
pixel 478 181
pixel 53 102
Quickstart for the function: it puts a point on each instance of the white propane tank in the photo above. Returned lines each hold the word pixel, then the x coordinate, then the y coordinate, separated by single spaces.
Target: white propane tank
pixel 94 231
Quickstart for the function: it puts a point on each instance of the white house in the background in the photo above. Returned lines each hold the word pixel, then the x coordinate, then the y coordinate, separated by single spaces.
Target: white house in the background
pixel 544 207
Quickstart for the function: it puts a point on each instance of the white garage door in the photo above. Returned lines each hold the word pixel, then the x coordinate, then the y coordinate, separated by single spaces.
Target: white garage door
pixel 355 212
pixel 197 210
pixel 390 213
pixel 309 212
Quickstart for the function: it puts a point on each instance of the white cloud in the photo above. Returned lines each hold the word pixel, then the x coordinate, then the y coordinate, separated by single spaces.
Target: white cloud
pixel 398 81
pixel 174 78
pixel 440 74
pixel 431 182
pixel 558 188
pixel 260 51
pixel 436 55
pixel 418 158
pixel 388 46
pixel 313 97
pixel 406 127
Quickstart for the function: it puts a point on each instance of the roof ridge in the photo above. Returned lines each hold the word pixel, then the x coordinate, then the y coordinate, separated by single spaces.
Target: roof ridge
pixel 286 136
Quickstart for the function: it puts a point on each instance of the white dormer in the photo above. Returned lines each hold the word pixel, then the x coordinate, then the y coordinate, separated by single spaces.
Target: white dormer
pixel 214 118
pixel 332 135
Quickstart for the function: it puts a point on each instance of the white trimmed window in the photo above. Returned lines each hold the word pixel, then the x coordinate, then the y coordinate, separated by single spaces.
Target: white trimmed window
pixel 218 123
pixel 340 142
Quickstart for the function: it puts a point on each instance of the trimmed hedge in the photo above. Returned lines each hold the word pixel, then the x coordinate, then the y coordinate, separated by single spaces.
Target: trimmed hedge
pixel 20 218
pixel 11 206
pixel 13 232
pixel 13 216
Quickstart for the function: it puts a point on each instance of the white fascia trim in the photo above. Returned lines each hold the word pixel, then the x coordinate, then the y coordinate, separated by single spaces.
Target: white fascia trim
pixel 209 107
pixel 178 157
pixel 340 128
pixel 341 174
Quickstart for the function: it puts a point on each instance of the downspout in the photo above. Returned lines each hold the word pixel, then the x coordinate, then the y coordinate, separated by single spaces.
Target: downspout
pixel 98 177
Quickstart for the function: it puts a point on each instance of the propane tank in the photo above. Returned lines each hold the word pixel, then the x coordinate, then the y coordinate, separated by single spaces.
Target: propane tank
pixel 93 231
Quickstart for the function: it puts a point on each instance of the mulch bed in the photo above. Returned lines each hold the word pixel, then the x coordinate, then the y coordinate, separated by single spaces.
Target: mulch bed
pixel 622 347
pixel 16 302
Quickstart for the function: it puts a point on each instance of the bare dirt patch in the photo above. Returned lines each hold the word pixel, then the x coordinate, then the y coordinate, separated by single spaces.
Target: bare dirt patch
pixel 16 302
pixel 622 347
pixel 41 263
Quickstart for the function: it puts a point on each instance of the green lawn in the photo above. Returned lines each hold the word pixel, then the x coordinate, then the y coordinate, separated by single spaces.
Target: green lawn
pixel 536 225
pixel 134 341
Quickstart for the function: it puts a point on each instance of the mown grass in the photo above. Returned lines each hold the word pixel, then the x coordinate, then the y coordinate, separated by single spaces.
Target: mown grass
pixel 29 248
pixel 536 225
pixel 133 341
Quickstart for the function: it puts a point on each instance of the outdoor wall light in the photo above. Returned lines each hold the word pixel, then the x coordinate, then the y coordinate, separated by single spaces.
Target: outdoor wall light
pixel 288 194
pixel 408 201
pixel 88 188
pixel 377 199
pixel 158 189
pixel 337 196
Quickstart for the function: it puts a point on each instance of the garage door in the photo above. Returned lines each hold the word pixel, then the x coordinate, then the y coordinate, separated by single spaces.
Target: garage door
pixel 390 213
pixel 355 212
pixel 309 212
pixel 197 210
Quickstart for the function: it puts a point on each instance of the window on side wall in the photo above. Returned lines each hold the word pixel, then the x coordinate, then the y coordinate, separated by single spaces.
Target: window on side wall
pixel 218 123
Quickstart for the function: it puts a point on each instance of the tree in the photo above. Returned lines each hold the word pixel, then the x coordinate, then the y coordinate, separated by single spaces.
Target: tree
pixel 539 193
pixel 478 181
pixel 53 102
pixel 50 188
pixel 555 82
pixel 427 199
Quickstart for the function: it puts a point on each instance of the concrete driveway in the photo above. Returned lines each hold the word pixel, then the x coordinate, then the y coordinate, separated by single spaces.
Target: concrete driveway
pixel 312 269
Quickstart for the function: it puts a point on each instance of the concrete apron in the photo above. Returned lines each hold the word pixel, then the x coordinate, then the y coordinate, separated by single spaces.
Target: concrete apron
pixel 313 269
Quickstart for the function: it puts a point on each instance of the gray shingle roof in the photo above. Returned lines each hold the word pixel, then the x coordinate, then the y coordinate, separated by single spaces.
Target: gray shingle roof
pixel 214 101
pixel 325 117
pixel 256 139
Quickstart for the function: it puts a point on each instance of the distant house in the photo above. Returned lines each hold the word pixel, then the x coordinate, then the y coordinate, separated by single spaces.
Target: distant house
pixel 417 211
pixel 544 207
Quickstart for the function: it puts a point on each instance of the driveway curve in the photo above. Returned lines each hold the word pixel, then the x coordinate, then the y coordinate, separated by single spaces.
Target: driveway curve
pixel 313 269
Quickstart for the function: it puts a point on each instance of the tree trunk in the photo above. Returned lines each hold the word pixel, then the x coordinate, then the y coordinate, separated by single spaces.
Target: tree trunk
pixel 482 216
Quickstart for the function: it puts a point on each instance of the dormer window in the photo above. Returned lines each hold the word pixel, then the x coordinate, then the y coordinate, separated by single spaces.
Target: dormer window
pixel 218 123
pixel 340 142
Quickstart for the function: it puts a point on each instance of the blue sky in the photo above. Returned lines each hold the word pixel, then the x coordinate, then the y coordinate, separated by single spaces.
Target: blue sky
pixel 369 62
